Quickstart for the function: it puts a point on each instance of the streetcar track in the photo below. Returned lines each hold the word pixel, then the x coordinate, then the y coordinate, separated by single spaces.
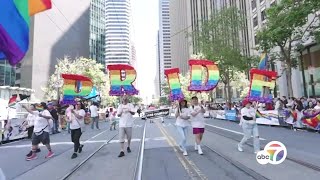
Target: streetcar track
pixel 56 155
pixel 78 166
pixel 137 173
pixel 302 163
pixel 239 165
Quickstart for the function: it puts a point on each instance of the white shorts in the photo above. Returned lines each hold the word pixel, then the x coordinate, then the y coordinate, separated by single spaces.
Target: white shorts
pixel 125 131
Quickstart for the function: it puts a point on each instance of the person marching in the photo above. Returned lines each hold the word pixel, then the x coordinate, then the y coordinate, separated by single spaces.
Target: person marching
pixel 125 112
pixel 249 126
pixel 112 119
pixel 197 122
pixel 41 131
pixel 182 115
pixel 76 119
pixel 94 115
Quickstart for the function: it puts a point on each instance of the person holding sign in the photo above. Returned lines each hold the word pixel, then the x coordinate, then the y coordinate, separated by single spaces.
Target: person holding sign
pixel 197 122
pixel 249 126
pixel 182 114
pixel 125 112
pixel 76 120
pixel 42 124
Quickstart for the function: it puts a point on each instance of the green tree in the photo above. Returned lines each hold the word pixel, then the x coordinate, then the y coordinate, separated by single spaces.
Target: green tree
pixel 136 99
pixel 81 66
pixel 218 39
pixel 287 28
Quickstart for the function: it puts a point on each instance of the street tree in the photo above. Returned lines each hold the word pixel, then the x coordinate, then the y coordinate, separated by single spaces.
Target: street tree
pixel 289 24
pixel 81 66
pixel 218 40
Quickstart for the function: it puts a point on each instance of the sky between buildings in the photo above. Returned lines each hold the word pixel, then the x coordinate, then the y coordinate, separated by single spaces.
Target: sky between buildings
pixel 145 18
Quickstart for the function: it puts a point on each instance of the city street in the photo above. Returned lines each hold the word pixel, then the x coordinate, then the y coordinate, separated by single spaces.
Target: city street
pixel 162 159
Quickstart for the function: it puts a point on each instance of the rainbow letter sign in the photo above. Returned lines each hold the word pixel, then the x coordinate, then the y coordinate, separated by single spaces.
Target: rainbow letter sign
pixel 260 81
pixel 75 86
pixel 121 80
pixel 212 79
pixel 174 83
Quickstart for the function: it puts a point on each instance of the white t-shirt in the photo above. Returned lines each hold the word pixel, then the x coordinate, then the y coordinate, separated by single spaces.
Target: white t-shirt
pixel 40 122
pixel 317 107
pixel 31 118
pixel 197 121
pixel 126 119
pixel 94 111
pixel 74 120
pixel 181 122
pixel 249 112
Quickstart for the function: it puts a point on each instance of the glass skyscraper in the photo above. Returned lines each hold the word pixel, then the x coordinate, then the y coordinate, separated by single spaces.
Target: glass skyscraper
pixel 7 74
pixel 97 31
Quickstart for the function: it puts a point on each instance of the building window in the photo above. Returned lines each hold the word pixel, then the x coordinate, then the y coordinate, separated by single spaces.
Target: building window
pixel 255 21
pixel 254 4
pixel 273 3
pixel 263 15
pixel 261 1
pixel 256 41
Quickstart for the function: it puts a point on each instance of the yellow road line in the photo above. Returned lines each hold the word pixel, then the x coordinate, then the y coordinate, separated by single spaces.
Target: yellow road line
pixel 191 168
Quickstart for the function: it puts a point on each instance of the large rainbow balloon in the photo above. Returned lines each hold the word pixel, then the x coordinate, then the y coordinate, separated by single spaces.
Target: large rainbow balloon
pixel 260 80
pixel 122 77
pixel 174 84
pixel 75 86
pixel 212 79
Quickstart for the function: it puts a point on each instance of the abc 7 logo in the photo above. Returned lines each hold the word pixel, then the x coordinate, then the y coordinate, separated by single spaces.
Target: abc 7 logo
pixel 277 148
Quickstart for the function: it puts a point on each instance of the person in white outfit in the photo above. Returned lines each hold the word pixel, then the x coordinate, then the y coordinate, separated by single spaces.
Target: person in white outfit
pixel 182 123
pixel 125 112
pixel 249 126
pixel 197 122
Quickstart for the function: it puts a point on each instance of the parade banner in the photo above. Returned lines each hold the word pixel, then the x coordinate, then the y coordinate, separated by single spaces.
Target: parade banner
pixel 122 77
pixel 13 129
pixel 231 115
pixel 157 113
pixel 269 117
pixel 200 67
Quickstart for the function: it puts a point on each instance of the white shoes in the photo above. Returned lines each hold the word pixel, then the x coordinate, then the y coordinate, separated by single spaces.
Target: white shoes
pixel 200 150
pixel 185 153
pixel 240 148
pixel 196 147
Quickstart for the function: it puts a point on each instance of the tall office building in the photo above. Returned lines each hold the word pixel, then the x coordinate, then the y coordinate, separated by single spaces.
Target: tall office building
pixel 117 35
pixel 187 17
pixel 164 39
pixel 7 74
pixel 56 33
pixel 157 80
pixel 97 31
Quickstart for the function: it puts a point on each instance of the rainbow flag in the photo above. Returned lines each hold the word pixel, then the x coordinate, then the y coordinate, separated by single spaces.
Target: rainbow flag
pixel 14 27
pixel 312 121
pixel 36 6
pixel 260 115
pixel 12 101
pixel 39 107
pixel 263 61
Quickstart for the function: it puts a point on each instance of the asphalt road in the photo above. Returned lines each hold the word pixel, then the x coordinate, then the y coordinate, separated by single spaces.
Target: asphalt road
pixel 162 160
